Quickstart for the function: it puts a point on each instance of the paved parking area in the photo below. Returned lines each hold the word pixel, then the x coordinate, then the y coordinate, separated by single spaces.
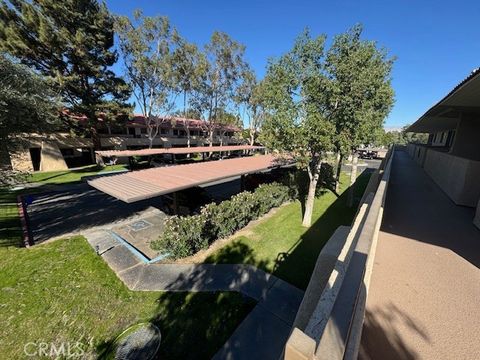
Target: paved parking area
pixel 76 208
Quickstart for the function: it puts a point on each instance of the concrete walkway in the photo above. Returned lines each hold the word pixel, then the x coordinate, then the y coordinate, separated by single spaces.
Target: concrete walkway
pixel 263 332
pixel 424 297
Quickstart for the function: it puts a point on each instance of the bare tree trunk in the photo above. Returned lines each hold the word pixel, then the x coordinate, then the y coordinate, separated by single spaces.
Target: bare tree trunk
pixel 210 136
pixel 92 117
pixel 252 137
pixel 353 178
pixel 188 140
pixel 314 175
pixel 307 217
pixel 339 171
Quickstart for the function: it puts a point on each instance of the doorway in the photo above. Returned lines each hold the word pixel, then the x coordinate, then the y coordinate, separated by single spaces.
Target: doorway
pixel 36 156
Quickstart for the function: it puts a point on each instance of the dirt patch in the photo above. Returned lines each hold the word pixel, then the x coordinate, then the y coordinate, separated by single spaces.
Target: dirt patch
pixel 247 231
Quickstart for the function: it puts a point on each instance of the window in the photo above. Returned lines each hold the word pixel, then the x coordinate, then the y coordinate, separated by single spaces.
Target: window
pixel 164 131
pixel 67 152
pixel 117 130
pixel 175 132
pixel 143 130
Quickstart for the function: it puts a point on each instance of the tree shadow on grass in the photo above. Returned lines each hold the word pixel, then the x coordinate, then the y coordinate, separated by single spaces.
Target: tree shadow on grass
pixel 10 227
pixel 237 252
pixel 297 263
pixel 193 325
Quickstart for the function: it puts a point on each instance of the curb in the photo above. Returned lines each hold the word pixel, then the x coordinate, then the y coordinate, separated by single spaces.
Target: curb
pixel 27 239
pixel 134 250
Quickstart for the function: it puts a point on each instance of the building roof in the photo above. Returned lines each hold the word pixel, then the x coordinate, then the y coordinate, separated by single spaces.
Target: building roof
pixel 444 115
pixel 179 150
pixel 144 184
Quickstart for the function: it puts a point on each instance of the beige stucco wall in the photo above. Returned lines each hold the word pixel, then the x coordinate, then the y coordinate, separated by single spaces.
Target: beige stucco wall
pixel 50 145
pixel 51 157
pixel 458 177
pixel 21 160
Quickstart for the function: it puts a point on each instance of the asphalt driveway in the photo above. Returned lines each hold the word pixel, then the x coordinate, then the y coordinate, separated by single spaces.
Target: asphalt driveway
pixel 75 208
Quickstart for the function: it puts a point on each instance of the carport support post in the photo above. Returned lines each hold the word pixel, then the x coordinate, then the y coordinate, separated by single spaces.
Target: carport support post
pixel 173 158
pixel 203 156
pixel 99 160
pixel 175 203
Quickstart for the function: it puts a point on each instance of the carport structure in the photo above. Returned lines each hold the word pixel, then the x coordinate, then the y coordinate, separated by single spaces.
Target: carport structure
pixel 149 183
pixel 176 151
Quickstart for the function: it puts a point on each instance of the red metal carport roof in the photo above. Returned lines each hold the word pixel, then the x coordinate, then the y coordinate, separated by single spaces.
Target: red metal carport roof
pixel 145 184
pixel 179 150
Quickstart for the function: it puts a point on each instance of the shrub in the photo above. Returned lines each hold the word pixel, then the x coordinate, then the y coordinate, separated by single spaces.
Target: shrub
pixel 184 236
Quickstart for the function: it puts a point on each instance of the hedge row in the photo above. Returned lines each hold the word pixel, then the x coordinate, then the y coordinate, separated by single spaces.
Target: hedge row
pixel 184 236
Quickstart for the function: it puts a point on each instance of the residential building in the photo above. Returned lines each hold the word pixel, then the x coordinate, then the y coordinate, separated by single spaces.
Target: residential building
pixel 61 150
pixel 452 155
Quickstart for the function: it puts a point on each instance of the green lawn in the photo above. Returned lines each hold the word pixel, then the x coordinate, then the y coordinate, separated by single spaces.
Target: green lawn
pixel 10 230
pixel 63 292
pixel 282 246
pixel 67 176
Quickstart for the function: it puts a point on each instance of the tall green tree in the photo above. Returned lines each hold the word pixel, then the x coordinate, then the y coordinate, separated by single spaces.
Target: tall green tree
pixel 410 137
pixel 219 80
pixel 250 100
pixel 188 65
pixel 147 46
pixel 226 122
pixel 26 105
pixel 360 94
pixel 70 42
pixel 299 124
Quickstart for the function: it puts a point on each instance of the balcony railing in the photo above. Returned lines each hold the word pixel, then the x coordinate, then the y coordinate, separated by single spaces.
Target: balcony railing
pixel 330 318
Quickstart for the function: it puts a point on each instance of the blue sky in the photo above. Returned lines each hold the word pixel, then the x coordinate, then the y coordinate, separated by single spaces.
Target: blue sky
pixel 437 43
